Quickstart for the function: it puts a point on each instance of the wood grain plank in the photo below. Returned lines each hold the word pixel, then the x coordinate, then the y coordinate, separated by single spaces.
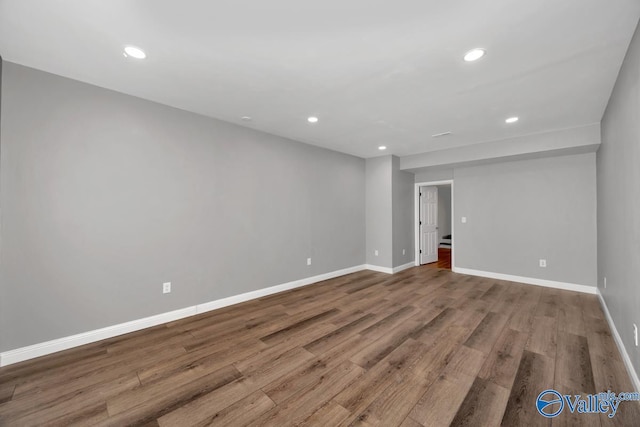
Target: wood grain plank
pixel 33 370
pixel 522 317
pixel 486 334
pixel 570 320
pixel 573 372
pixel 205 407
pixel 548 304
pixel 259 375
pixel 243 412
pixel 209 358
pixel 300 378
pixel 503 360
pixel 67 405
pixel 300 325
pixel 535 374
pixel 152 401
pixel 601 342
pixel 335 337
pixel 364 391
pixel 330 414
pixel 542 339
pixel 300 406
pixel 380 348
pixel 389 322
pixel 483 405
pixel 465 361
pixel 437 324
pixel 440 403
pixel 85 379
pixel 395 402
pixel 410 422
pixel 6 391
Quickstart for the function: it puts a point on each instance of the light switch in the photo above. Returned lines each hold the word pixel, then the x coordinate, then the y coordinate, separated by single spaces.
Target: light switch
pixel 464 219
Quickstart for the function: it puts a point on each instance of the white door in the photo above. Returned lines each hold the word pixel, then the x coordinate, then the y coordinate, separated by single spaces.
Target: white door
pixel 428 225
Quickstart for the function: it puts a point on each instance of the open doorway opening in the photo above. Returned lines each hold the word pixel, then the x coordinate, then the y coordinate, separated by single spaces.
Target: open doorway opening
pixel 434 224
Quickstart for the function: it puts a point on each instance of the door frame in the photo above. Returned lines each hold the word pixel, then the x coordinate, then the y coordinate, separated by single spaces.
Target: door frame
pixel 416 219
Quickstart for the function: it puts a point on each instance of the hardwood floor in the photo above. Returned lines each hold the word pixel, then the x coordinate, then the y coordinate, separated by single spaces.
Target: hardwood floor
pixel 444 259
pixel 424 347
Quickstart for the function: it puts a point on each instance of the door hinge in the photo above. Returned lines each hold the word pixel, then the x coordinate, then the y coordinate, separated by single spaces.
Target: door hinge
pixel 420 194
pixel 420 223
pixel 420 250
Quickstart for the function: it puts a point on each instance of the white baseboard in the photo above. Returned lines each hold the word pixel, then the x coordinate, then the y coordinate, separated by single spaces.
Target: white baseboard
pixel 53 346
pixel 528 280
pixel 48 347
pixel 390 270
pixel 403 267
pixel 379 269
pixel 236 299
pixel 623 351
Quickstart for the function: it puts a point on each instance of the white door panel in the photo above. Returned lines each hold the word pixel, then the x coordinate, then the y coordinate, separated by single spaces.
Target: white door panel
pixel 428 225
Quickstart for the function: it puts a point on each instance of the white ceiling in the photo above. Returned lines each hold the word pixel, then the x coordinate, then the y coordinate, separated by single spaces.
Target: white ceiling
pixel 376 72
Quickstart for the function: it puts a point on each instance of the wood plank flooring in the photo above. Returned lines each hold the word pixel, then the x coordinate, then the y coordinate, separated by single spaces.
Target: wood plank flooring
pixel 424 347
pixel 444 259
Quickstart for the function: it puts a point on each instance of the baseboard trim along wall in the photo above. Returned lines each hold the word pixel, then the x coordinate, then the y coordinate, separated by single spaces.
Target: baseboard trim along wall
pixel 379 269
pixel 389 270
pixel 623 351
pixel 403 267
pixel 65 343
pixel 528 280
pixel 236 299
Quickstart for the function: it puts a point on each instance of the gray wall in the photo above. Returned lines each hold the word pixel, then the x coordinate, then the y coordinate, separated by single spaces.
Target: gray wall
pixel 390 212
pixel 519 212
pixel 403 214
pixel 578 140
pixel 434 175
pixel 379 211
pixel 618 162
pixel 444 211
pixel 106 196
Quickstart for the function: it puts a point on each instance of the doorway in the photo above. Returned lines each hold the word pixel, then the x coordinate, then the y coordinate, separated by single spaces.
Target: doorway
pixel 434 224
pixel 428 223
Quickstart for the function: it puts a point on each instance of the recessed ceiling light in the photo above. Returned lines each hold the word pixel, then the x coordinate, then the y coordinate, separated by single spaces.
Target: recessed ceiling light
pixel 245 118
pixel 474 54
pixel 312 119
pixel 382 147
pixel 511 120
pixel 134 52
pixel 436 135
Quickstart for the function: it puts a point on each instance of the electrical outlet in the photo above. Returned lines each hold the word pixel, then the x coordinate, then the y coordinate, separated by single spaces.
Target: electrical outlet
pixel 375 252
pixel 308 261
pixel 635 333
pixel 464 219
pixel 166 287
pixel 605 283
pixel 543 263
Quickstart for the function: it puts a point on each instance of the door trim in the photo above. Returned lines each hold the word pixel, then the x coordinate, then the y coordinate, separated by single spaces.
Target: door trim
pixel 416 219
